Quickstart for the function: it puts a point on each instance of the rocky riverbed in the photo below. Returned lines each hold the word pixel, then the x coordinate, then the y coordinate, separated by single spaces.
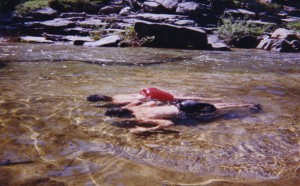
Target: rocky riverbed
pixel 154 23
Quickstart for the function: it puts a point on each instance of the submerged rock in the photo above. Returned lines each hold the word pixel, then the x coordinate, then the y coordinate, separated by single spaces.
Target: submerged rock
pixel 171 36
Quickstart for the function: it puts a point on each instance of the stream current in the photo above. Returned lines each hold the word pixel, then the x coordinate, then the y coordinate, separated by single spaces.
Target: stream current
pixel 50 134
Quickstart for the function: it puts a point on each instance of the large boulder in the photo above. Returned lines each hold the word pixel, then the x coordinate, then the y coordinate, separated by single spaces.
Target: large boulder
pixel 170 36
pixel 109 41
pixel 247 41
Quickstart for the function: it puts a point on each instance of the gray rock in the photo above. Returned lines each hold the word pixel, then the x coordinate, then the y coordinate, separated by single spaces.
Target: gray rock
pixel 125 11
pixel 116 2
pixel 109 41
pixel 151 6
pixel 283 45
pixel 170 36
pixel 44 14
pixel 247 13
pixel 217 44
pixel 168 5
pixel 73 14
pixel 92 22
pixel 33 39
pixel 78 31
pixel 159 17
pixel 282 33
pixel 57 23
pixel 111 9
pixel 269 18
pixel 64 38
pixel 189 8
pixel 135 4
pixel 265 44
pixel 185 23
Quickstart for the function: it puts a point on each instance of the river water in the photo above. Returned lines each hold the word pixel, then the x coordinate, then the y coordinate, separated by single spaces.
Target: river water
pixel 50 134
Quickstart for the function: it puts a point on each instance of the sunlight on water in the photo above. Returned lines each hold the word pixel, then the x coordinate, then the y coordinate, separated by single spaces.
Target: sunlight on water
pixel 50 134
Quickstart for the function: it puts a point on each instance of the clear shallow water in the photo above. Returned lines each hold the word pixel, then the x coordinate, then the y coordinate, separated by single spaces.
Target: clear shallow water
pixel 49 133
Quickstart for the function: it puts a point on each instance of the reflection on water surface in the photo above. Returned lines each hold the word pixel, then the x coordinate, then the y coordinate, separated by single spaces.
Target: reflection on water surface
pixel 50 135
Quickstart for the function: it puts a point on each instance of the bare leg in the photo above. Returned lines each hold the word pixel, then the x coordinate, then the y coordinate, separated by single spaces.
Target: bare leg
pixel 230 106
pixel 198 99
pixel 160 123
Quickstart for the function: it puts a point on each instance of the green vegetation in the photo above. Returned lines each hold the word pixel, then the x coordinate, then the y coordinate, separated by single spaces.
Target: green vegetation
pixel 233 29
pixel 130 38
pixel 294 26
pixel 29 6
pixel 90 6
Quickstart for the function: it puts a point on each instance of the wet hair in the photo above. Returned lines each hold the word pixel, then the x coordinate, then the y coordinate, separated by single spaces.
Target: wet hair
pixel 119 112
pixel 98 97
pixel 194 108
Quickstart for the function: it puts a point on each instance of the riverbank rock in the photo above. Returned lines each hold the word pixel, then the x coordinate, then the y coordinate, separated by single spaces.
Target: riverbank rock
pixel 170 36
pixel 109 41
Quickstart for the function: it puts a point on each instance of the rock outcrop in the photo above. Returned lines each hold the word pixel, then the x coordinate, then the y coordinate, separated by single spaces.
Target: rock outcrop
pixel 170 36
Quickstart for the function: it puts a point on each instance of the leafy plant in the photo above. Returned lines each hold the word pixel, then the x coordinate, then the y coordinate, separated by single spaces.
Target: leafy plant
pixel 233 29
pixel 29 6
pixel 294 26
pixel 130 38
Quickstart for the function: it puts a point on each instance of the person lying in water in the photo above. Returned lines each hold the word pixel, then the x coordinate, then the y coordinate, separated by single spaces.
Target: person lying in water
pixel 160 113
pixel 144 96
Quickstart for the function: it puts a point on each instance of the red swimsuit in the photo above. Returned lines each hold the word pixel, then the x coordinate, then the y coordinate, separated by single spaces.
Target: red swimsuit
pixel 154 93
